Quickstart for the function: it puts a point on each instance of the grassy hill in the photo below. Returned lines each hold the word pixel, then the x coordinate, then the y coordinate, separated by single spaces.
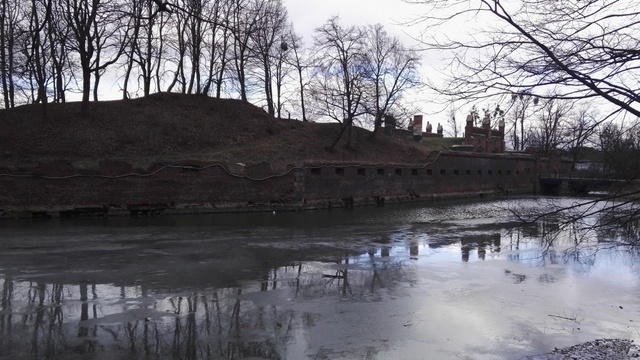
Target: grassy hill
pixel 169 127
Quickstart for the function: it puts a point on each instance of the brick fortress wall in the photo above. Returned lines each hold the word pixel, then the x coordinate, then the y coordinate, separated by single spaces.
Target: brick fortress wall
pixel 189 187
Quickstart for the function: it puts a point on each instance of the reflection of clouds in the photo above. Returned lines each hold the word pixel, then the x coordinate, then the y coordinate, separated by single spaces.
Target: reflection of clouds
pixel 204 324
pixel 255 320
pixel 403 283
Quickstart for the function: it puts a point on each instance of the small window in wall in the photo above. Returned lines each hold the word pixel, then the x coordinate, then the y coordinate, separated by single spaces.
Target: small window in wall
pixel 340 171
pixel 489 172
pixel 479 172
pixel 443 172
pixel 429 172
pixel 380 171
pixel 398 171
pixel 468 172
pixel 315 171
pixel 528 170
pixel 361 172
pixel 499 172
pixel 414 172
pixel 508 172
pixel 517 172
pixel 455 172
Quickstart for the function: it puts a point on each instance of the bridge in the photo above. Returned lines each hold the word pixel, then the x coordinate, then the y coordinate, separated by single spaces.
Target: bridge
pixel 560 185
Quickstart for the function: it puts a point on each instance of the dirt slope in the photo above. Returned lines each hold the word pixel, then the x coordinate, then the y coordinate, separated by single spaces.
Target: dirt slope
pixel 174 127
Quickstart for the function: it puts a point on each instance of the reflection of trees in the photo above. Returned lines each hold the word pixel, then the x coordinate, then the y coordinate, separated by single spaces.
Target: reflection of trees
pixel 218 324
pixel 56 320
pixel 341 277
pixel 578 241
pixel 44 320
pixel 613 219
pixel 622 227
pixel 368 280
pixel 362 276
pixel 5 314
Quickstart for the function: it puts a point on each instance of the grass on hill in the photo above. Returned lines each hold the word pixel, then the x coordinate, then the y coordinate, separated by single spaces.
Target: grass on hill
pixel 169 127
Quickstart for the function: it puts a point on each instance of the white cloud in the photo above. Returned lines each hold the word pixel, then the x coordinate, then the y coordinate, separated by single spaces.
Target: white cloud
pixel 307 15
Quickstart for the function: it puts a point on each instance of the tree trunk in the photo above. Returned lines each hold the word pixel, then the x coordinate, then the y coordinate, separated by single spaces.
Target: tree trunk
pixel 3 54
pixel 223 65
pixel 241 78
pixel 38 65
pixel 267 87
pixel 134 44
pixel 304 114
pixel 86 91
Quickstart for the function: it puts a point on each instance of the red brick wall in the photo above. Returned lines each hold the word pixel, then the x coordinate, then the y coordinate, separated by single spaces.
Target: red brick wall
pixel 201 186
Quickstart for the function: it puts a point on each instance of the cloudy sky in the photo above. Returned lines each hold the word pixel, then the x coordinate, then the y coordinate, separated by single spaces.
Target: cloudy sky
pixel 395 15
pixel 307 15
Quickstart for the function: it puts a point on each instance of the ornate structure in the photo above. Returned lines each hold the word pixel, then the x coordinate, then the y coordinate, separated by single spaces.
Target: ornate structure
pixel 484 139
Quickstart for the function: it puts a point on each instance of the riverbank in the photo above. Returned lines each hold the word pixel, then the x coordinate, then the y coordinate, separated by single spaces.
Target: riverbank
pixel 178 154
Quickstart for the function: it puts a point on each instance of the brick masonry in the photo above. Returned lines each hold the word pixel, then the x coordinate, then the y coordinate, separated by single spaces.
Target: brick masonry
pixel 189 187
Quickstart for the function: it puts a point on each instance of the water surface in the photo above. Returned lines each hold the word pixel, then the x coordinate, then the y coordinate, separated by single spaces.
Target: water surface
pixel 420 281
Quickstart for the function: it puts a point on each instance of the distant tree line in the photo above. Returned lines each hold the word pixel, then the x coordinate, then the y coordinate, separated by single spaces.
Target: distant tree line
pixel 245 49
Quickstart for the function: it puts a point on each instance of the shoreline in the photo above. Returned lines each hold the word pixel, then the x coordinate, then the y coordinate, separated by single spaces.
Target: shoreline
pixel 145 210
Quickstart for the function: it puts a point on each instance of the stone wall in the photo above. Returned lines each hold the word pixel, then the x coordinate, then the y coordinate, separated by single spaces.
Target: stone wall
pixel 450 173
pixel 59 189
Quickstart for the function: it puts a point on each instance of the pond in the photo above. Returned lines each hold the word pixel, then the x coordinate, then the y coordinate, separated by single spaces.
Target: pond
pixel 449 280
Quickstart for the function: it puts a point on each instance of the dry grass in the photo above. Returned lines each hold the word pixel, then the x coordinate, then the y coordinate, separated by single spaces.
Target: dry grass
pixel 171 127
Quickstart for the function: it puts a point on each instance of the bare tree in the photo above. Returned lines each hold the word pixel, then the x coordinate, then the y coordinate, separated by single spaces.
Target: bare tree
pixel 3 53
pixel 95 28
pixel 196 27
pixel 135 24
pixel 549 130
pixel 300 63
pixel 10 14
pixel 245 18
pixel 110 39
pixel 178 43
pixel 620 146
pixel 520 110
pixel 341 73
pixel 61 64
pixel 581 129
pixel 36 52
pixel 392 69
pixel 201 32
pixel 223 50
pixel 452 121
pixel 267 36
pixel 588 47
pixel 217 46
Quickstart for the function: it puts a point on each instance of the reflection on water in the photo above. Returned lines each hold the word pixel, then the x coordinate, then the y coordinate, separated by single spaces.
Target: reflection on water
pixel 252 320
pixel 291 285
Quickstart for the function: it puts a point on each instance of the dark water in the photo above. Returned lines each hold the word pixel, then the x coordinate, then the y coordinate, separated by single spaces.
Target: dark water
pixel 443 281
